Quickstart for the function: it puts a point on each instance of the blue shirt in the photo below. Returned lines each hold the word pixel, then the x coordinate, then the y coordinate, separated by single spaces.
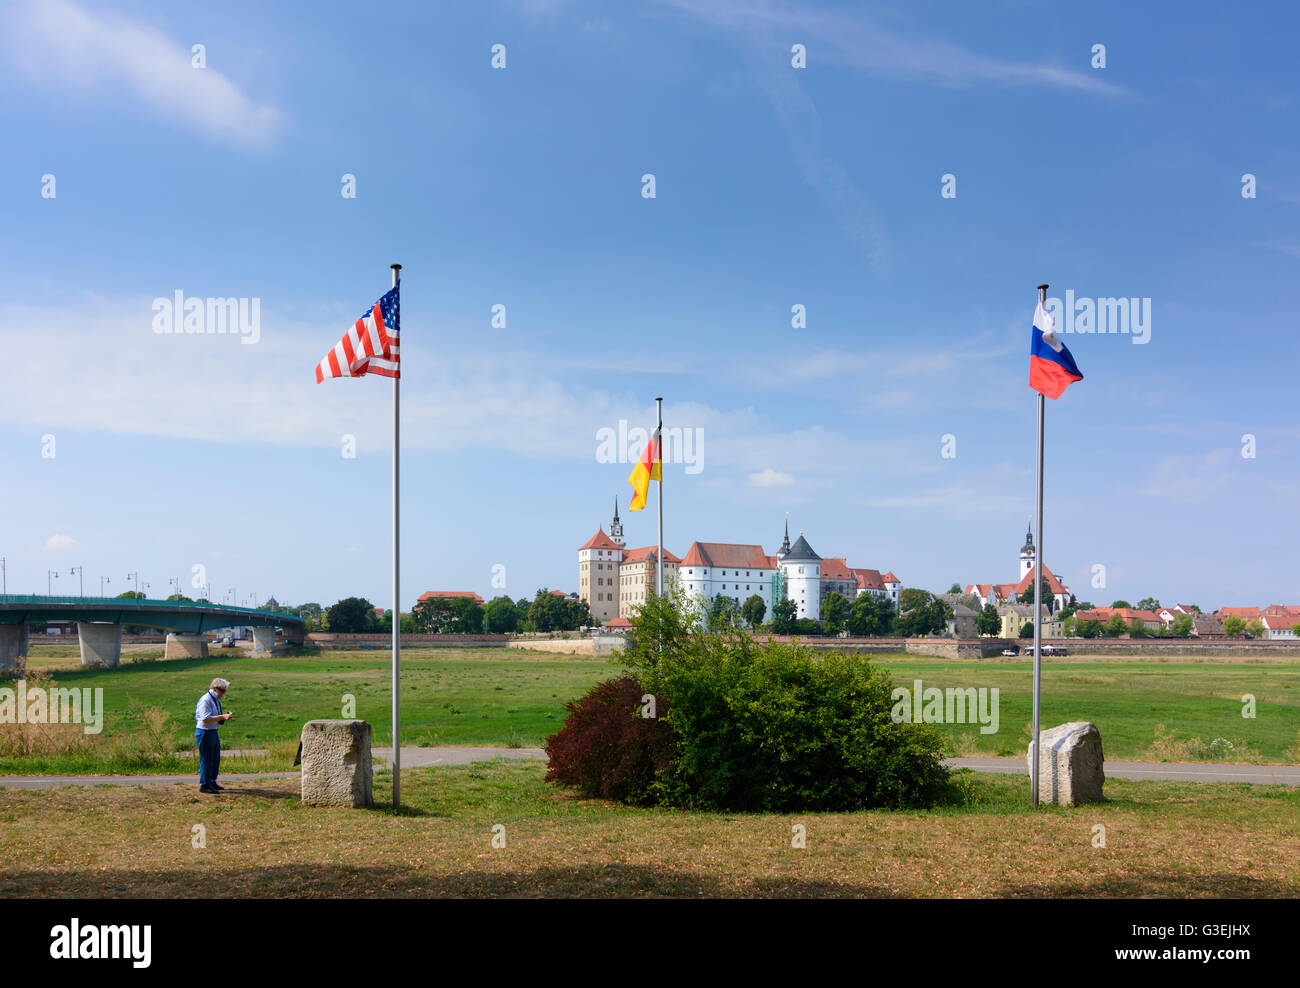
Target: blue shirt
pixel 209 706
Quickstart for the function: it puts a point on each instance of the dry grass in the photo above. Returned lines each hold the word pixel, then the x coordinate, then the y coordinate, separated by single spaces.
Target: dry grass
pixel 1163 839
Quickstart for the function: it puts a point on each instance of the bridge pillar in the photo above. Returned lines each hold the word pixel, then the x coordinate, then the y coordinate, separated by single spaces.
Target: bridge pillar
pixel 101 644
pixel 182 645
pixel 13 646
pixel 263 641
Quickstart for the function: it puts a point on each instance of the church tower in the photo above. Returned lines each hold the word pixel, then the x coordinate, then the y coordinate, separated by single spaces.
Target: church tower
pixel 784 551
pixel 1027 552
pixel 616 528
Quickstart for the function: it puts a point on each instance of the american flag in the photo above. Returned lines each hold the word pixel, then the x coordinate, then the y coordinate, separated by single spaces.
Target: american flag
pixel 369 347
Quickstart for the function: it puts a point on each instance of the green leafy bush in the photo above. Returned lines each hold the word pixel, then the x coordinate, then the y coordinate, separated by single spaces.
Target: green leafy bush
pixel 746 726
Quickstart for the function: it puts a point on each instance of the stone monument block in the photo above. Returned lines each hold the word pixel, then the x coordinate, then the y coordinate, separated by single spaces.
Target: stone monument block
pixel 336 766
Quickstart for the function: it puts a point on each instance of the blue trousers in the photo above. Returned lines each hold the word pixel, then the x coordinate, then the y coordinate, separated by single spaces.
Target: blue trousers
pixel 209 743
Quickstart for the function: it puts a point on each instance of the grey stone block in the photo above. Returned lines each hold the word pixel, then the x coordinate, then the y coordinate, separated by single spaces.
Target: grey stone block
pixel 1069 764
pixel 336 766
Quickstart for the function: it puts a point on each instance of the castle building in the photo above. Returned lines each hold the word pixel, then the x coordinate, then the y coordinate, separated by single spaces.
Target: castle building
pixel 712 568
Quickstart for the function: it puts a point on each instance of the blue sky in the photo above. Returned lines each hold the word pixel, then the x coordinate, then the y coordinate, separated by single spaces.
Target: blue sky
pixel 775 186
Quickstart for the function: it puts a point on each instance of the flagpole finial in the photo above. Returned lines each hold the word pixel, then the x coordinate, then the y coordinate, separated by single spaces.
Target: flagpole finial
pixel 1042 293
pixel 395 267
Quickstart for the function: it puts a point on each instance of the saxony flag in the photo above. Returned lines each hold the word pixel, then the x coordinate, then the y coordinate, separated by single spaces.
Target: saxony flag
pixel 648 468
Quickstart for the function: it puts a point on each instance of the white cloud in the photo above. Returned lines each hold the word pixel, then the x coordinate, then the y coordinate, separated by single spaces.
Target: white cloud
pixel 60 542
pixel 874 50
pixel 58 43
pixel 770 478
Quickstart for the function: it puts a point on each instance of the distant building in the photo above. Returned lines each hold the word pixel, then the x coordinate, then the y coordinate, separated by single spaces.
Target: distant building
pixel 1014 617
pixel 443 595
pixel 1008 593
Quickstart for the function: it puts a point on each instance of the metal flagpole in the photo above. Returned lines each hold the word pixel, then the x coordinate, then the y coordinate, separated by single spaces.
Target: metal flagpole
pixel 1038 586
pixel 659 433
pixel 397 596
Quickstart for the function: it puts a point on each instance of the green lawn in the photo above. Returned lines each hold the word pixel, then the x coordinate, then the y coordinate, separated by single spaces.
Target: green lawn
pixel 1162 839
pixel 506 697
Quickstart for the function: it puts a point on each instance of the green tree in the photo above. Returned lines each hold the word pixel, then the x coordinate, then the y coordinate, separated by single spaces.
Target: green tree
pixel 921 613
pixel 180 597
pixel 1070 626
pixel 955 588
pixel 1137 628
pixel 988 622
pixel 1121 603
pixel 1049 601
pixel 1090 629
pixel 1295 630
pixel 834 612
pixel 501 615
pixel 1233 626
pixel 753 610
pixel 783 613
pixel 724 613
pixel 1114 626
pixel 1183 625
pixel 871 614
pixel 1256 629
pixel 433 615
pixel 352 616
pixel 546 613
pixel 1148 604
pixel 466 616
pixel 1027 630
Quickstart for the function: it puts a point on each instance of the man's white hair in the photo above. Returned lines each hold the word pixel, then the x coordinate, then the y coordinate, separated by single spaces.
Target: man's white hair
pixel 219 684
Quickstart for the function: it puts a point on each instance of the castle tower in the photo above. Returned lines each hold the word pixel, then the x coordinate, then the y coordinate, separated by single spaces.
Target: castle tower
pixel 801 568
pixel 599 560
pixel 616 527
pixel 1027 553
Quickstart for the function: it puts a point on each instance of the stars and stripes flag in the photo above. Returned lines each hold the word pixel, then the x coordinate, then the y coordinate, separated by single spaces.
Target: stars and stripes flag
pixel 370 346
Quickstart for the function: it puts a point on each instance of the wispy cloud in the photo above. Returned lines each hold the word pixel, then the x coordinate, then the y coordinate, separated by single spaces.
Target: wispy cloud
pixel 58 541
pixel 863 44
pixel 60 44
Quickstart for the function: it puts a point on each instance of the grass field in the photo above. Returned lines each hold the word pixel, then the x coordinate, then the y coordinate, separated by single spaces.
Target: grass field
pixel 1161 839
pixel 508 697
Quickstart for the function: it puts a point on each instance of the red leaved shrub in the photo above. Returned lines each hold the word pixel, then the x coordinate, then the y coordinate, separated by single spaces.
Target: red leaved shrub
pixel 606 748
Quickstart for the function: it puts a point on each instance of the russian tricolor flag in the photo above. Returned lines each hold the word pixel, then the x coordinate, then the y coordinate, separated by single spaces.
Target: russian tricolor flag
pixel 1051 366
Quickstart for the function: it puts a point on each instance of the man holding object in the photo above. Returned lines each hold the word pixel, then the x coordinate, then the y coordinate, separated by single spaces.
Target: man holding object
pixel 207 719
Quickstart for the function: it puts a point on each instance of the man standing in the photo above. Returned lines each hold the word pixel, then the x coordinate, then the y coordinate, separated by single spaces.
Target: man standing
pixel 207 719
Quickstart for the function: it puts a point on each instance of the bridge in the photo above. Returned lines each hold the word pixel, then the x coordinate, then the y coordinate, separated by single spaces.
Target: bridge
pixel 100 619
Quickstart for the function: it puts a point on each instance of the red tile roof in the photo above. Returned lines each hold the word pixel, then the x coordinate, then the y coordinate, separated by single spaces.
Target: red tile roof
pixel 1053 584
pixel 636 555
pixel 726 554
pixel 448 594
pixel 1248 613
pixel 599 541
pixel 891 578
pixel 836 568
pixel 869 579
pixel 1127 613
pixel 618 622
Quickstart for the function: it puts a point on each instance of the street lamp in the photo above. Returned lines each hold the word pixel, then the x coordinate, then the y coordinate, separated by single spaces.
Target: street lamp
pixel 49 592
pixel 175 582
pixel 4 577
pixel 102 581
pixel 81 577
pixel 135 576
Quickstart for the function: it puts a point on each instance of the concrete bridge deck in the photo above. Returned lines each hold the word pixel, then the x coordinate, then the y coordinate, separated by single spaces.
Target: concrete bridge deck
pixel 100 619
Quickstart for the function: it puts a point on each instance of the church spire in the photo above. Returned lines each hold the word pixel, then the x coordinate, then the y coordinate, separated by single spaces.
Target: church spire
pixel 784 551
pixel 616 526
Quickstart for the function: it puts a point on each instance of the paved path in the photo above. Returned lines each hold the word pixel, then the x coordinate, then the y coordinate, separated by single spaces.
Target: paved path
pixel 1287 775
